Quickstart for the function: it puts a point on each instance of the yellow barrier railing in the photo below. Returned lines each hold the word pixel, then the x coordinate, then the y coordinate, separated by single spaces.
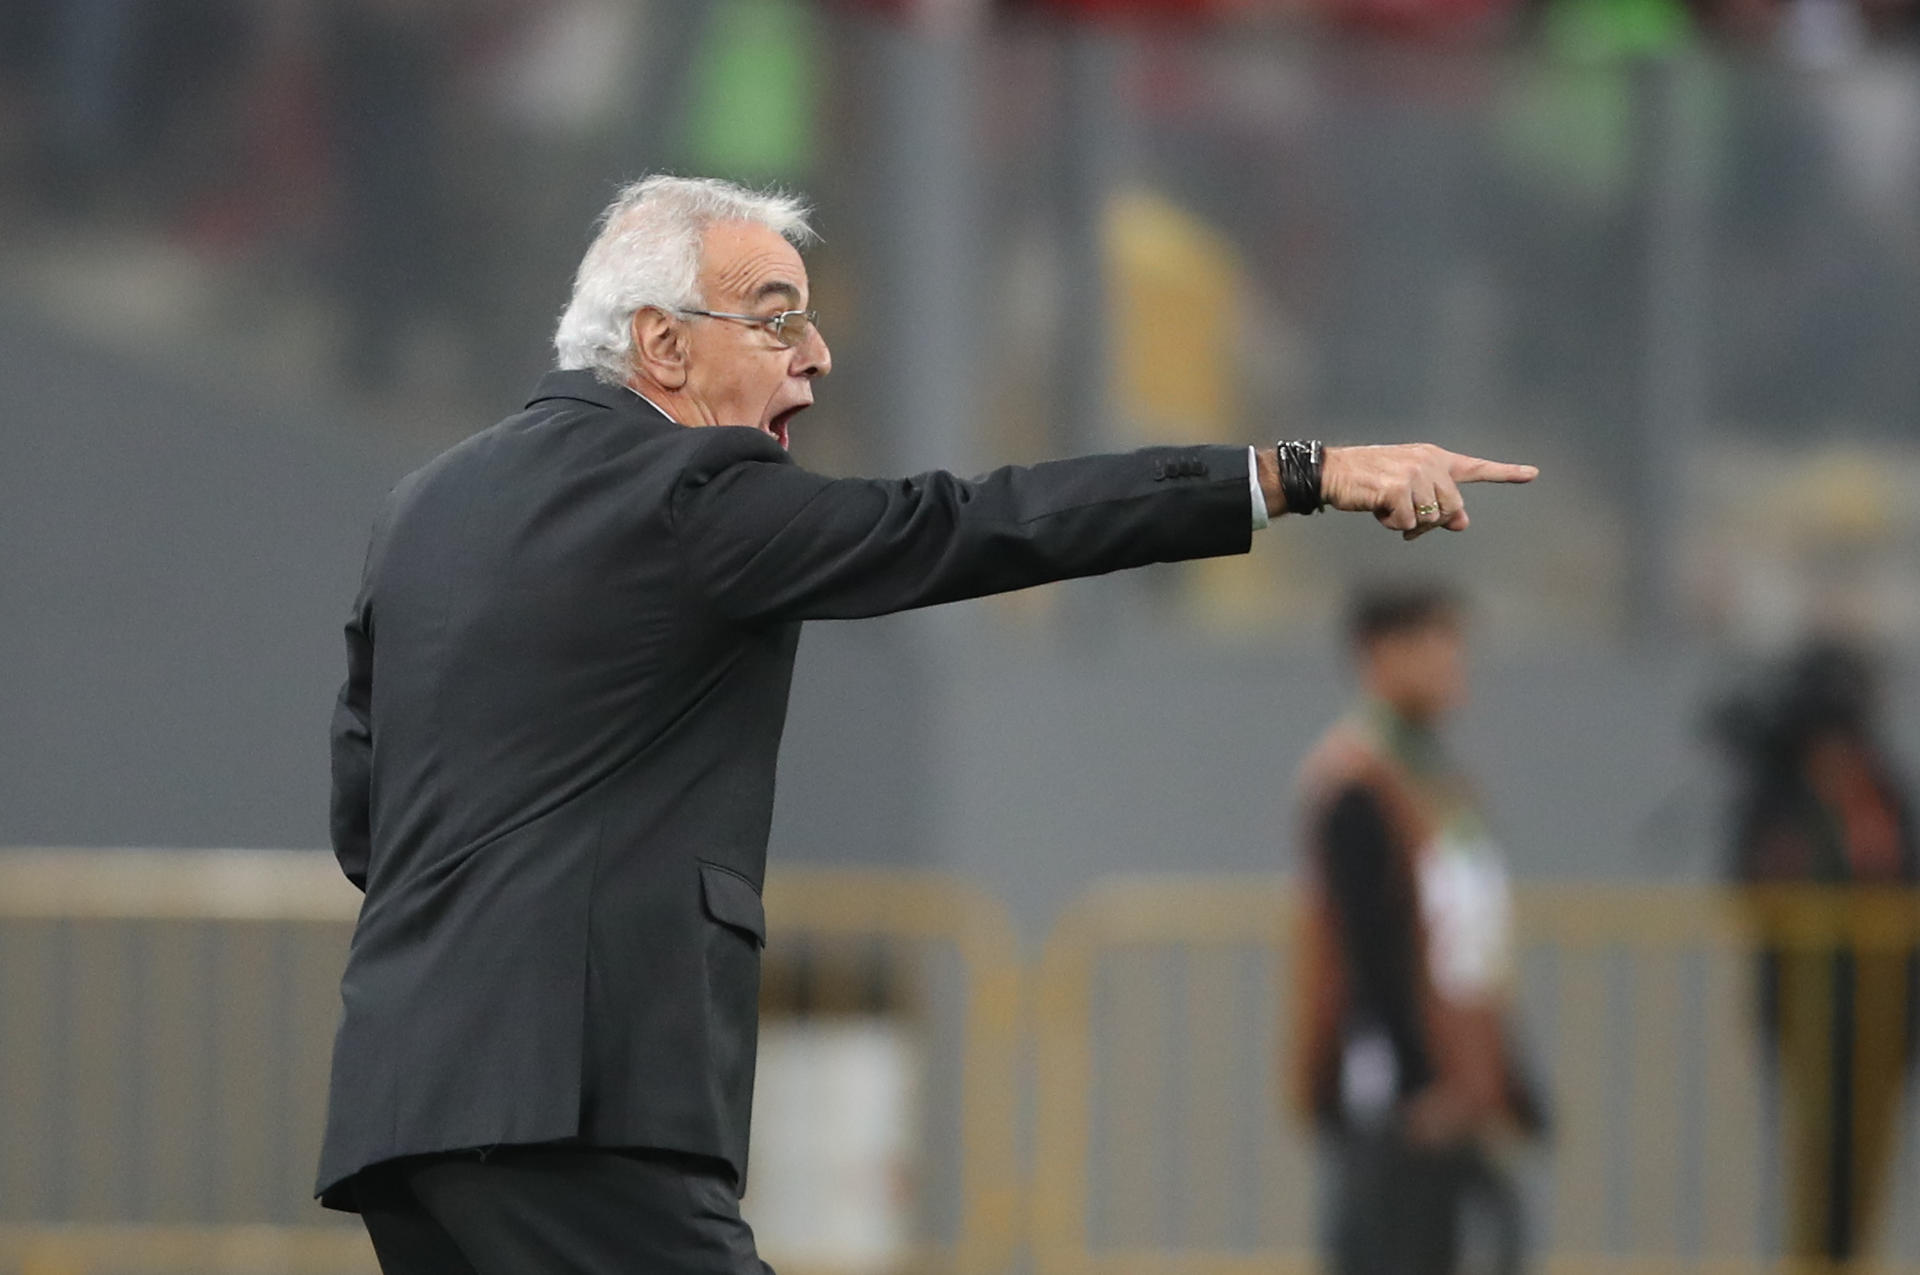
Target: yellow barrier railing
pixel 166 1022
pixel 1132 917
pixel 919 907
pixel 187 1250
pixel 203 1250
pixel 1162 1011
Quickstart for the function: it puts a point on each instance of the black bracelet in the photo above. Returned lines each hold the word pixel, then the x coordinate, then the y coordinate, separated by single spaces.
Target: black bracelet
pixel 1300 466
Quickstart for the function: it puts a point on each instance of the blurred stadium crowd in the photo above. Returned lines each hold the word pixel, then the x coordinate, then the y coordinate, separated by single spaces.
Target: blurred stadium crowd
pixel 1620 229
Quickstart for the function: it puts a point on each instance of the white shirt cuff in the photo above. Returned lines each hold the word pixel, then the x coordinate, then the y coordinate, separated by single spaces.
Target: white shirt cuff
pixel 1260 519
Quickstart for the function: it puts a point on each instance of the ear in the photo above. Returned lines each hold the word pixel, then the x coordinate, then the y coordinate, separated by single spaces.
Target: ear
pixel 659 347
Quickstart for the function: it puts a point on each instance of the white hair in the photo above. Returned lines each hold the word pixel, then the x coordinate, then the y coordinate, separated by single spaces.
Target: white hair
pixel 648 254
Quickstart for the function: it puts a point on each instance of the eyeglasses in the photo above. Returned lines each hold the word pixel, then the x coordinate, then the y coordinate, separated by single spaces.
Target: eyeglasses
pixel 789 327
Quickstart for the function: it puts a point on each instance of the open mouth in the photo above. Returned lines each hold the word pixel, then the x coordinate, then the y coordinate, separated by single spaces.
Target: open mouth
pixel 783 419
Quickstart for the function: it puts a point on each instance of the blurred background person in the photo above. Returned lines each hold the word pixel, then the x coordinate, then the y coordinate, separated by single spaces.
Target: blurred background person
pixel 1409 960
pixel 1818 802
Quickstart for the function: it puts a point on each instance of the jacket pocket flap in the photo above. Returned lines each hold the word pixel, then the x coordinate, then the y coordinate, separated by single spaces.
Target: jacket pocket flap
pixel 731 901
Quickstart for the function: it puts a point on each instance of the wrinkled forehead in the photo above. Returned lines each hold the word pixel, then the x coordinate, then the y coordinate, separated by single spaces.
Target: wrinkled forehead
pixel 744 264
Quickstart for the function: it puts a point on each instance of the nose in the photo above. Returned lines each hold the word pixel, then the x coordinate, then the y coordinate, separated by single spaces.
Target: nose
pixel 811 356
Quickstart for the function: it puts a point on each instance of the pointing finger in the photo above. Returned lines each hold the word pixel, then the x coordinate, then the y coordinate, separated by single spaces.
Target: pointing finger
pixel 1471 469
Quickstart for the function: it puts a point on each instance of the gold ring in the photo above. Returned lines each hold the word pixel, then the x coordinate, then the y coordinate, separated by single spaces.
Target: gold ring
pixel 1427 511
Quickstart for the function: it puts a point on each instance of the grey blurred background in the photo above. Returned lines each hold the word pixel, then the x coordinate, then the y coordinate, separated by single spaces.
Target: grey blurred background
pixel 261 257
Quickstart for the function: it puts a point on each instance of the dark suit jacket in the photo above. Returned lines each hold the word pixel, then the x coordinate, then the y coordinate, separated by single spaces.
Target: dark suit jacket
pixel 553 758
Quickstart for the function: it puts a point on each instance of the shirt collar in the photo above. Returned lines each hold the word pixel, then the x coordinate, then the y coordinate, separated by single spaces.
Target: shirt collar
pixel 650 403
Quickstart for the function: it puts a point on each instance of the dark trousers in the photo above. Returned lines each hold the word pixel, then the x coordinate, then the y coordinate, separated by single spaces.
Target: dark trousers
pixel 556 1211
pixel 1404 1209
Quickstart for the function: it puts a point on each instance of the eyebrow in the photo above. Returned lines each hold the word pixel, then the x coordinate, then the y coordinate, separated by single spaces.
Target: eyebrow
pixel 776 288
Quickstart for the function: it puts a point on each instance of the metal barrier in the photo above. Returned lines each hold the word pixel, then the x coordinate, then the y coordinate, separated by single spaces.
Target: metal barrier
pixel 1160 1007
pixel 166 1021
pixel 981 1046
pixel 186 1250
pixel 202 1250
pixel 1227 1194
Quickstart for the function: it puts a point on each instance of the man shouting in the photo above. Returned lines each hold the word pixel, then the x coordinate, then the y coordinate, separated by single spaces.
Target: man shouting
pixel 553 758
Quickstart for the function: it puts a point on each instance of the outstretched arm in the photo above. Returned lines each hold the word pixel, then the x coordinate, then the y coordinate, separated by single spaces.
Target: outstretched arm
pixel 766 540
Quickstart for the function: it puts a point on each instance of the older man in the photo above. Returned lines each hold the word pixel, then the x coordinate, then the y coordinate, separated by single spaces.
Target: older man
pixel 554 753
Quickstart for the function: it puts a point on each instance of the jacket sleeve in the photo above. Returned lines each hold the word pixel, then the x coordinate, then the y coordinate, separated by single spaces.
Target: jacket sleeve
pixel 766 540
pixel 351 821
pixel 353 751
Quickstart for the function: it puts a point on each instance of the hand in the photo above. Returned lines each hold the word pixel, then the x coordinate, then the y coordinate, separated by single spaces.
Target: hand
pixel 1411 488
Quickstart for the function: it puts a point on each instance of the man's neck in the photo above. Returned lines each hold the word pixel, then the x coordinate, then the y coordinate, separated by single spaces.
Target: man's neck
pixel 678 406
pixel 653 402
pixel 1413 738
